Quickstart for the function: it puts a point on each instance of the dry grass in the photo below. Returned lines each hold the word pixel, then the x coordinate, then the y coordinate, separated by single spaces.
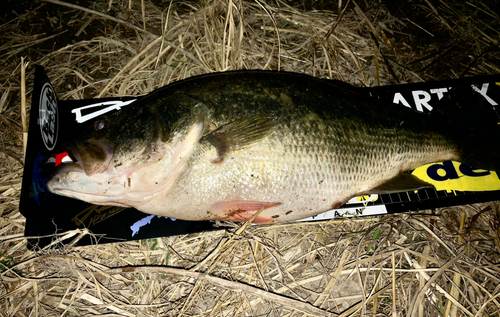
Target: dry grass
pixel 437 263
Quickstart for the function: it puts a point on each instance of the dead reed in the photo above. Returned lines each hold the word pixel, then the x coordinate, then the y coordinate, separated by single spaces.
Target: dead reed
pixel 434 263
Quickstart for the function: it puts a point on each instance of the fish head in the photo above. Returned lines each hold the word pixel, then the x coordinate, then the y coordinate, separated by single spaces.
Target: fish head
pixel 130 156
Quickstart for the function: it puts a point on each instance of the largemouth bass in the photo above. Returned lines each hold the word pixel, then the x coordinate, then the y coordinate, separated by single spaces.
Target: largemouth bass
pixel 222 146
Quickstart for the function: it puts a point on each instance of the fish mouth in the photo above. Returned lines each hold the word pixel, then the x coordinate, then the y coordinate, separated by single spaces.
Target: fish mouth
pixel 73 154
pixel 93 156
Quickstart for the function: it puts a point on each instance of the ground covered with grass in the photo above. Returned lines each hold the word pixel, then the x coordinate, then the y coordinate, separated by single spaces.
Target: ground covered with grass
pixel 442 262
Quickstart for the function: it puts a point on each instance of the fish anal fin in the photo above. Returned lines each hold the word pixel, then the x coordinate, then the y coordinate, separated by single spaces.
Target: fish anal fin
pixel 242 210
pixel 400 183
pixel 240 134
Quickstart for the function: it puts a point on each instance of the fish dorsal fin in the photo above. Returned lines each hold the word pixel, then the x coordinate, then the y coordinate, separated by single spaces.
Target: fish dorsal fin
pixel 240 134
pixel 400 183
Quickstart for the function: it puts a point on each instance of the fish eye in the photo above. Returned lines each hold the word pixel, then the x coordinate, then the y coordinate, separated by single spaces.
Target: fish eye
pixel 99 125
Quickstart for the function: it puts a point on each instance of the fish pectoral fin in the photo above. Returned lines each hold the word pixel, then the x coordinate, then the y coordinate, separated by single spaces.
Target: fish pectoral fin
pixel 401 183
pixel 242 210
pixel 240 134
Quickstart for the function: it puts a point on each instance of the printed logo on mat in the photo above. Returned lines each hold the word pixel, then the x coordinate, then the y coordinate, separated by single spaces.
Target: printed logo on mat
pixel 48 118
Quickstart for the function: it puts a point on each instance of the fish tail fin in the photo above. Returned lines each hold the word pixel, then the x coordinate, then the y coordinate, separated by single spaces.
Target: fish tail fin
pixel 480 149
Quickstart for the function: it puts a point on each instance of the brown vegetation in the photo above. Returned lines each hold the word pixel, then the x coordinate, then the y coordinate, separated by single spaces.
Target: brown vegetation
pixel 435 263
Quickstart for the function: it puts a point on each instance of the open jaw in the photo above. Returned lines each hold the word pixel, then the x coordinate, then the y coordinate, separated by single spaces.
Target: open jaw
pixel 80 176
pixel 92 155
pixel 70 180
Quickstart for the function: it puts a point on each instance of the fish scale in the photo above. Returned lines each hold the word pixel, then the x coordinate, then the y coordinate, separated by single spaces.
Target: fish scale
pixel 236 142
